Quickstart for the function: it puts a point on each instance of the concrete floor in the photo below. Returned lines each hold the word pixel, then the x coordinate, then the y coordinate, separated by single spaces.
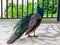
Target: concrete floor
pixel 48 34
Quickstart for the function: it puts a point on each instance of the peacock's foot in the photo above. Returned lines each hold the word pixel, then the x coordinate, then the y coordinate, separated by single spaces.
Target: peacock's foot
pixel 33 36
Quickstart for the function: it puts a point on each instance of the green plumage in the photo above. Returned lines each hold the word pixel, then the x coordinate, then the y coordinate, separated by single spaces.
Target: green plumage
pixel 22 25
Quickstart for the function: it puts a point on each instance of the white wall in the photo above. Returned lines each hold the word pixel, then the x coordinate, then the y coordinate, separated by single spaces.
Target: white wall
pixel 0 8
pixel 4 6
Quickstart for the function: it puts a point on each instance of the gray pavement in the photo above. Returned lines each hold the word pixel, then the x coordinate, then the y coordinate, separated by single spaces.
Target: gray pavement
pixel 48 34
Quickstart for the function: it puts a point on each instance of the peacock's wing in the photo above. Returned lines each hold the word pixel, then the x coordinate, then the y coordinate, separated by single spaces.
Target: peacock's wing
pixel 35 20
pixel 20 27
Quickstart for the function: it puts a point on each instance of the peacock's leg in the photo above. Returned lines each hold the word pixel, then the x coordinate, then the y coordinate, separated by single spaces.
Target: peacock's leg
pixel 35 34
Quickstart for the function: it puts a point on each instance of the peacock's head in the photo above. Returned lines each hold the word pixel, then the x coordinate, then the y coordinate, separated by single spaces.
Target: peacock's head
pixel 40 10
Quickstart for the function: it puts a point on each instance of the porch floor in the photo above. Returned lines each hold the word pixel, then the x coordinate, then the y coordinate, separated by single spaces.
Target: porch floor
pixel 48 34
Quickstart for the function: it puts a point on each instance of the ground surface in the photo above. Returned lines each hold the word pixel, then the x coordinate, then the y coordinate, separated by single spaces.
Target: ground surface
pixel 48 34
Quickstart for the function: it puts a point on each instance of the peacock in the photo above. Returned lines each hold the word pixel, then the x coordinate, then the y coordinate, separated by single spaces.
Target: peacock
pixel 27 25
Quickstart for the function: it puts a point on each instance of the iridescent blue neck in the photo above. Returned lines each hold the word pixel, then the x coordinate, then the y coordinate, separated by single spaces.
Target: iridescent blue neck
pixel 40 11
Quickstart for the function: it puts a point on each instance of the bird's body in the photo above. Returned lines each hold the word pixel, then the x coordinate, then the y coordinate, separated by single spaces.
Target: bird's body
pixel 35 20
pixel 26 25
